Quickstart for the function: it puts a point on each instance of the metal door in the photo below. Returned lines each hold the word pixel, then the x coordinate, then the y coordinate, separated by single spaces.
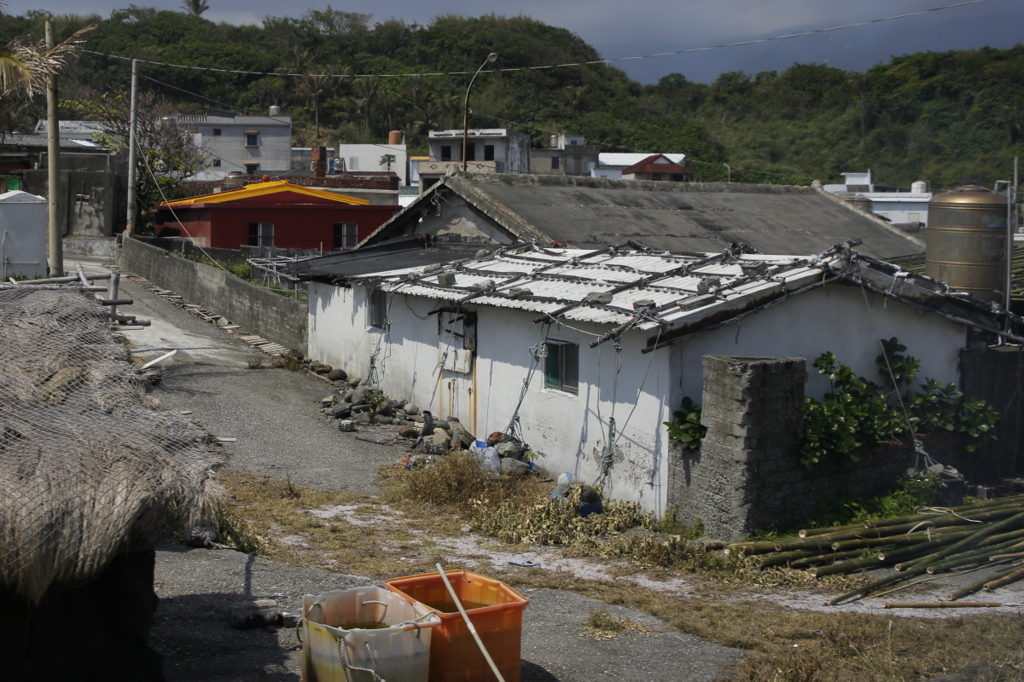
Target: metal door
pixel 457 360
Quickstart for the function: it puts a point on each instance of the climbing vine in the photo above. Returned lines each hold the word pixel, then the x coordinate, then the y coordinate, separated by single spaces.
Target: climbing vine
pixel 857 412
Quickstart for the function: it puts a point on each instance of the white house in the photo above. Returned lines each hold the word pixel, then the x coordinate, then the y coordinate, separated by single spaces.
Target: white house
pixel 23 236
pixel 254 145
pixel 885 201
pixel 589 348
pixel 363 158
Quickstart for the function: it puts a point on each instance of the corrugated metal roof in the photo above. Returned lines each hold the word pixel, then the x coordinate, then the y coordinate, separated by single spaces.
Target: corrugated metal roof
pixel 684 293
pixel 260 189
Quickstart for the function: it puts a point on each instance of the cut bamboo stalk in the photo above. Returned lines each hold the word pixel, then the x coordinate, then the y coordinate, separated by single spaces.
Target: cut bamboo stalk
pixel 997 557
pixel 975 537
pixel 967 558
pixel 824 558
pixel 870 587
pixel 845 567
pixel 964 516
pixel 974 587
pixel 1005 580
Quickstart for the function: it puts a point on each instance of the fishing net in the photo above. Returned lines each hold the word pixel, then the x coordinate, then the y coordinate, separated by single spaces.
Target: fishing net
pixel 87 470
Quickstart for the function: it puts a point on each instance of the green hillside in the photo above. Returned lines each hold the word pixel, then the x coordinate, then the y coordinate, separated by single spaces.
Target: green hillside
pixel 948 118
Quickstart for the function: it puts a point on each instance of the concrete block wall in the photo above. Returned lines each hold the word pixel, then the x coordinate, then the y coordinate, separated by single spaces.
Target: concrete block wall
pixel 747 473
pixel 258 310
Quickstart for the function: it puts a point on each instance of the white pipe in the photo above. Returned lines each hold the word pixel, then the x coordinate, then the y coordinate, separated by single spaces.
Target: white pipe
pixel 469 624
pixel 159 359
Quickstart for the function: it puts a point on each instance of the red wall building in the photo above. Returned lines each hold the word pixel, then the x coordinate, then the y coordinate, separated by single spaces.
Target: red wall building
pixel 276 214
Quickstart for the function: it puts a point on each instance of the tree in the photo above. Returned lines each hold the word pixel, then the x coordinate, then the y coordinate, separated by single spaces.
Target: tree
pixel 25 66
pixel 388 160
pixel 196 7
pixel 167 153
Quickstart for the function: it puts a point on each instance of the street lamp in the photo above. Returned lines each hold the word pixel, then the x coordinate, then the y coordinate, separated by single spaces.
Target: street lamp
pixel 465 109
pixel 728 172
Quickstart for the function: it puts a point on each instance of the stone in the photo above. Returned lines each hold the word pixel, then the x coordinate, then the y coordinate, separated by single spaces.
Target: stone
pixel 508 450
pixel 399 403
pixel 363 418
pixel 290 620
pixel 347 425
pixel 355 382
pixel 359 395
pixel 386 408
pixel 460 437
pixel 341 410
pixel 436 444
pixel 979 671
pixel 408 432
pixel 411 409
pixel 337 374
pixel 441 424
pixel 415 418
pixel 258 613
pixel 361 407
pixel 327 400
pixel 381 419
pixel 321 368
pixel 451 420
pixel 509 465
pixel 346 396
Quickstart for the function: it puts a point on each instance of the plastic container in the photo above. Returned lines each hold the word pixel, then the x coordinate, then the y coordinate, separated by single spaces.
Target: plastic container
pixel 490 460
pixel 394 640
pixel 496 611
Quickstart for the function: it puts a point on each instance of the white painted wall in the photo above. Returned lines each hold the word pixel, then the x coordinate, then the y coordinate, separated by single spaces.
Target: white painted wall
pixel 365 158
pixel 842 319
pixel 572 429
pixel 23 235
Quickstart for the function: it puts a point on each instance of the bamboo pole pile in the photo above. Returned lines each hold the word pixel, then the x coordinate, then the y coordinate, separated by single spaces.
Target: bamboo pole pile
pixel 934 541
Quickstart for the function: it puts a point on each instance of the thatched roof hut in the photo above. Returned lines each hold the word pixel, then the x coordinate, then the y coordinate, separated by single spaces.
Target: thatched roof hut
pixel 88 472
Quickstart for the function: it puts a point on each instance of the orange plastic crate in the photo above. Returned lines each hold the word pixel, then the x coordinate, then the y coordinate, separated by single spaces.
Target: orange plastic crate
pixel 497 614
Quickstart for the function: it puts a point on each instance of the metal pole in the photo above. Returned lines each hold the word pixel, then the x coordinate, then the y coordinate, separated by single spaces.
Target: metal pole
pixel 465 108
pixel 56 236
pixel 133 147
pixel 728 172
pixel 1009 241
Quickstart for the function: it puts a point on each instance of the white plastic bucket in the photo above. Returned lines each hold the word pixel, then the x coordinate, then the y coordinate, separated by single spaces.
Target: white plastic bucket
pixel 333 650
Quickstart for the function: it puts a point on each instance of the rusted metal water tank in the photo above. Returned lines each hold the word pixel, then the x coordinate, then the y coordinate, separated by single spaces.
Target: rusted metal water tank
pixel 966 241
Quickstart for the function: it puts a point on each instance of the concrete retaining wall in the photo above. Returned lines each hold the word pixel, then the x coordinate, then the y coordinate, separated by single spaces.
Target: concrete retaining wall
pixel 747 473
pixel 261 311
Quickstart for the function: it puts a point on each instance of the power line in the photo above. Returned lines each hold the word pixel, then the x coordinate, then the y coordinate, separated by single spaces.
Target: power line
pixel 551 66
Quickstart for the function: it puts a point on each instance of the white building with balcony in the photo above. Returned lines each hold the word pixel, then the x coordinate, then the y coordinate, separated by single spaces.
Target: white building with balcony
pixel 254 145
pixel 488 150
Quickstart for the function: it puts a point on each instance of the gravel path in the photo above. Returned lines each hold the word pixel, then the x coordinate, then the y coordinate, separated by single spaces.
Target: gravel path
pixel 274 414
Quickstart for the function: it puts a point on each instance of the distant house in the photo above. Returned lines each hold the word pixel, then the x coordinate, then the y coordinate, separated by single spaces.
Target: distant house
pixel 885 201
pixel 611 165
pixel 582 212
pixel 279 214
pixel 252 145
pixel 373 158
pixel 488 150
pixel 657 167
pixel 565 155
pixel 609 341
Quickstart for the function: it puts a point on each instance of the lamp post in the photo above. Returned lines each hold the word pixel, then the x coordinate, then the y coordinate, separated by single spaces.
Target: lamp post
pixel 728 172
pixel 465 109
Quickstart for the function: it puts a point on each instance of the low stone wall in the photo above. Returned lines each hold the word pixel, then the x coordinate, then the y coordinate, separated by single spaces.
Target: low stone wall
pixel 97 247
pixel 259 310
pixel 747 473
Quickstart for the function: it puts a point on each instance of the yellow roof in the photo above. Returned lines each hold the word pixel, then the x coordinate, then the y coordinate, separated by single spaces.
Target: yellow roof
pixel 261 189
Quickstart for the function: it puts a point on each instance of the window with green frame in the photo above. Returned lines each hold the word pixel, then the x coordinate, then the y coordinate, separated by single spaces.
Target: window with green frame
pixel 562 366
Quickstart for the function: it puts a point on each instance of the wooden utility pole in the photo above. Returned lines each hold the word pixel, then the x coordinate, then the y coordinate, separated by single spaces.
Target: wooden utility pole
pixel 133 148
pixel 56 236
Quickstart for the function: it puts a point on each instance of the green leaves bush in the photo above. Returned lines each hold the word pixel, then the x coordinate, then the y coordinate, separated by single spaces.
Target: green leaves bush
pixel 685 429
pixel 858 412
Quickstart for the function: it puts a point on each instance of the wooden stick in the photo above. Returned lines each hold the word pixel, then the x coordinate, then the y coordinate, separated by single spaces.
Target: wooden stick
pixel 469 624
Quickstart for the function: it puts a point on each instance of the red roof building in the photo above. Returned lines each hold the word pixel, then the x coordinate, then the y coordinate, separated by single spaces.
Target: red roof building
pixel 657 167
pixel 277 214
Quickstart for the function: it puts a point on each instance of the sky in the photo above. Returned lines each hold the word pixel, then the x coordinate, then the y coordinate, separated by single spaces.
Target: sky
pixel 618 28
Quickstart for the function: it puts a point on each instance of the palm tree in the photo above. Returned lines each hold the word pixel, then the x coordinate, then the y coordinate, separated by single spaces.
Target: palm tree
pixel 196 7
pixel 25 66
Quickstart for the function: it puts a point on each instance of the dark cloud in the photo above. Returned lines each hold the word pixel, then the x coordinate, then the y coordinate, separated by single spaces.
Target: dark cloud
pixel 625 29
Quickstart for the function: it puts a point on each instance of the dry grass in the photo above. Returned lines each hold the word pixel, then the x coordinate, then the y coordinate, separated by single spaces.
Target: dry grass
pixel 780 644
pixel 602 626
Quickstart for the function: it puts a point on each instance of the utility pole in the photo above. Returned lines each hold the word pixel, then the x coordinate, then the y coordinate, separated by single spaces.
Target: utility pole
pixel 133 147
pixel 56 236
